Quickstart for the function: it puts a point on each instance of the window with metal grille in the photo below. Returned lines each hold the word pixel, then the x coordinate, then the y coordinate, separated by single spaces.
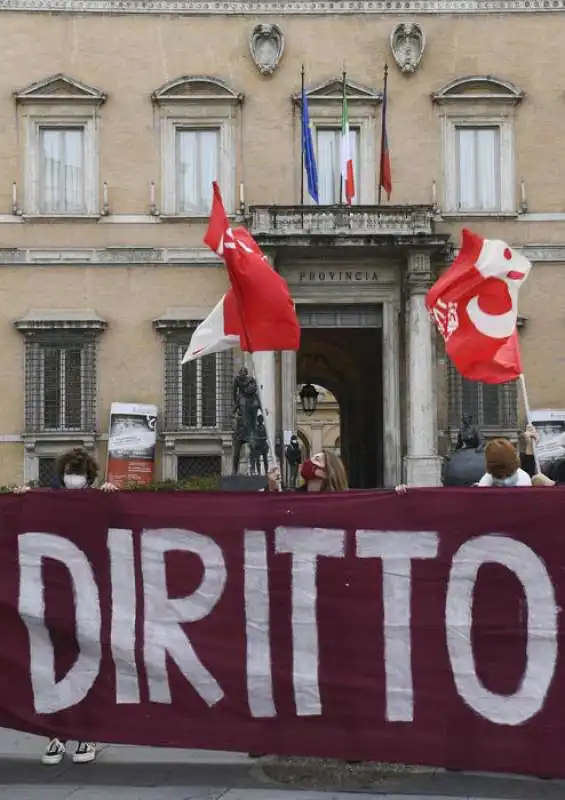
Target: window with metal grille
pixel 489 405
pixel 47 471
pixel 198 467
pixel 60 383
pixel 198 394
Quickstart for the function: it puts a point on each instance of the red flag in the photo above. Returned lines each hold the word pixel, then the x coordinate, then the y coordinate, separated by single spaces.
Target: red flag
pixel 264 306
pixel 385 171
pixel 475 307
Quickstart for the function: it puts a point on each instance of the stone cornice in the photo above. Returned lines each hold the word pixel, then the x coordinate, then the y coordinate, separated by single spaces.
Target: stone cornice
pixel 111 256
pixel 543 252
pixel 285 7
pixel 536 253
pixel 185 256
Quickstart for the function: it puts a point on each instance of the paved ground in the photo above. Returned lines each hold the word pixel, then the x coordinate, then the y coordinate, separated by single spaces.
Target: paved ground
pixel 138 773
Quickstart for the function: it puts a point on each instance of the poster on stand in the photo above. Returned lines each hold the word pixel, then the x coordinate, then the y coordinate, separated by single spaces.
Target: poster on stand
pixel 131 443
pixel 550 426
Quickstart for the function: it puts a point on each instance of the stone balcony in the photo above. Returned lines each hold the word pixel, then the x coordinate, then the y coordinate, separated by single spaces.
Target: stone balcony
pixel 346 224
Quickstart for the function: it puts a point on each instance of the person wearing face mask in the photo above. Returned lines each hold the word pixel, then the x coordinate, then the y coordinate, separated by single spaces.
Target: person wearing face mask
pixel 324 472
pixel 76 469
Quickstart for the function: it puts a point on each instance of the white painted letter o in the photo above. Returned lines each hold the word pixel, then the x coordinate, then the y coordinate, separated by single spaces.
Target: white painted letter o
pixel 541 646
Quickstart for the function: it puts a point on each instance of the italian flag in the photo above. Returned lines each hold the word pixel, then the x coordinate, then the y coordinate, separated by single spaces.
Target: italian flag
pixel 347 176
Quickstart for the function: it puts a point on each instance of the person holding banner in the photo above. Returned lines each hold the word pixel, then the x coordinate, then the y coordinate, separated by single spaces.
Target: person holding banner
pixel 502 464
pixel 76 469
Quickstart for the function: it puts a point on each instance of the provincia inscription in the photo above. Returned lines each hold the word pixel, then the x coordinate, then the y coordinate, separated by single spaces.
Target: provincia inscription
pixel 338 276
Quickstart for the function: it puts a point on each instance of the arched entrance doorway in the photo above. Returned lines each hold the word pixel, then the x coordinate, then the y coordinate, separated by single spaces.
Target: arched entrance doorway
pixel 348 362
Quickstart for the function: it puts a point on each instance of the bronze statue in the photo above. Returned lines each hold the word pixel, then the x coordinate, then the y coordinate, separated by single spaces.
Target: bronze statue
pixel 246 406
pixel 239 438
pixel 466 465
pixel 469 435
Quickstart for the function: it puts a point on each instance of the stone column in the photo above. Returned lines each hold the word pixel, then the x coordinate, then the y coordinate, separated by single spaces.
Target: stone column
pixel 288 378
pixel 391 395
pixel 422 464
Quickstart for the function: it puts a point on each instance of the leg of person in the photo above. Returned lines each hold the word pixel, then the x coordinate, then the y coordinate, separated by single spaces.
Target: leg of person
pixel 54 752
pixel 85 753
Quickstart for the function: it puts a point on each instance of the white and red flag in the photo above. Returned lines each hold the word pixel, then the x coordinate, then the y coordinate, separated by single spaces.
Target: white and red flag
pixel 475 307
pixel 257 313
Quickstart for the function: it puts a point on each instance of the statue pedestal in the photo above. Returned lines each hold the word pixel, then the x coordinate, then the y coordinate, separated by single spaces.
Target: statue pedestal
pixel 423 470
pixel 243 483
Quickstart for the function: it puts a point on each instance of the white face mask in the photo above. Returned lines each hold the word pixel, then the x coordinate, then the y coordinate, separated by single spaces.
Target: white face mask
pixel 74 481
pixel 511 481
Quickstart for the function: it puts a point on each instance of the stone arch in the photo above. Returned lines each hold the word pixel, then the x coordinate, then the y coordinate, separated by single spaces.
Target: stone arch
pixel 304 442
pixel 196 88
pixel 479 87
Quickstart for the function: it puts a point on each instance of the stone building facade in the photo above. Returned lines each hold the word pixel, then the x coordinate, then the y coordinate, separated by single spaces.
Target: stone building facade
pixel 117 114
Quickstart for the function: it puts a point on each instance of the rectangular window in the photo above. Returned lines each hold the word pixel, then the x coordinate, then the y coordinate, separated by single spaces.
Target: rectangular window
pixel 197 166
pixel 328 146
pixel 47 472
pixel 197 394
pixel 62 389
pixel 61 171
pixel 60 384
pixel 198 467
pixel 478 168
pixel 490 406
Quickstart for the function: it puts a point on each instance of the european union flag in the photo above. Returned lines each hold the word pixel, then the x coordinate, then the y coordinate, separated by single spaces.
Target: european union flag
pixel 308 154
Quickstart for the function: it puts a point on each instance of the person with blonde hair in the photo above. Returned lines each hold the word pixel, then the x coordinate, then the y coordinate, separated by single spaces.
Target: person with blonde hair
pixel 502 463
pixel 324 472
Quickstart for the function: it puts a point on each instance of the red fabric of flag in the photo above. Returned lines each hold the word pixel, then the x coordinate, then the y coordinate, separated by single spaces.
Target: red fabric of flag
pixel 385 171
pixel 475 307
pixel 261 304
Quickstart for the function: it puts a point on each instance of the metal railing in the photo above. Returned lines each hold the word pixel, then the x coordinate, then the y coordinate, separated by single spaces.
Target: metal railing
pixel 335 220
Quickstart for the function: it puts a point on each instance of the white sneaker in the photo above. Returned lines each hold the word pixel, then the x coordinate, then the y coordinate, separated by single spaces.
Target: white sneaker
pixel 54 753
pixel 85 753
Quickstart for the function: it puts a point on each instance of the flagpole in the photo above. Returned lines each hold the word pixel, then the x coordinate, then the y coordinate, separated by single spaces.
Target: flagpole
pixel 383 123
pixel 341 187
pixel 527 409
pixel 302 136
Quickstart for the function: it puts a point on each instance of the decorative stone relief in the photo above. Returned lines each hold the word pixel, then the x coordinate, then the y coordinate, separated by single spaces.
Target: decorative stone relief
pixel 407 42
pixel 266 44
pixel 290 7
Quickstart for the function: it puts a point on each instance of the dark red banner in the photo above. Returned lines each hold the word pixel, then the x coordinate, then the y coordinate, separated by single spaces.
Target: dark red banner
pixel 422 629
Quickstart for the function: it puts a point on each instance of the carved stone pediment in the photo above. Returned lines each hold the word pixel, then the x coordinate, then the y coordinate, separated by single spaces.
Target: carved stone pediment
pixel 407 42
pixel 196 89
pixel 59 88
pixel 332 90
pixel 478 87
pixel 266 44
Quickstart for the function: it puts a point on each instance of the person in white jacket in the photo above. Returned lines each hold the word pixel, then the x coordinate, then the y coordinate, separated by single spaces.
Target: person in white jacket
pixel 502 463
